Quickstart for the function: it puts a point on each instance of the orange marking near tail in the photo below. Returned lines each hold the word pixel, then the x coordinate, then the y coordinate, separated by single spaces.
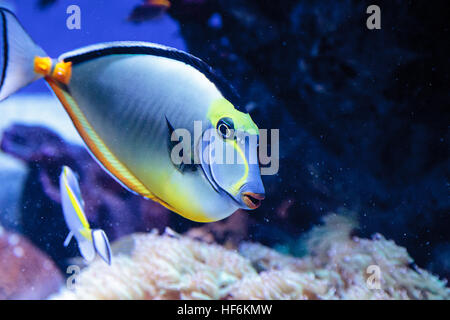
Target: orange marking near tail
pixel 43 65
pixel 63 72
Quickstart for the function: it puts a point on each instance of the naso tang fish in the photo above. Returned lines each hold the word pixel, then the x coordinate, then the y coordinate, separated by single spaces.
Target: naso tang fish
pixel 128 99
pixel 89 241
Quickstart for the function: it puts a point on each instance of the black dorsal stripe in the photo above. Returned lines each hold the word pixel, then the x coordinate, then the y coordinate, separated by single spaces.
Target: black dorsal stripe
pixel 225 88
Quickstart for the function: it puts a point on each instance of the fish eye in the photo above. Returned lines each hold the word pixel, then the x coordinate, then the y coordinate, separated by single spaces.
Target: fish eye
pixel 225 128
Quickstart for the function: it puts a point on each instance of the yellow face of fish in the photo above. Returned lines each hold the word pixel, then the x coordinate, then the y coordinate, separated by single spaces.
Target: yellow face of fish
pixel 228 154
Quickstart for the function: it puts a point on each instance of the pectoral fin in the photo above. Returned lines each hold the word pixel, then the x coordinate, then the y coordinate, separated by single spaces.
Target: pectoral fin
pixel 182 167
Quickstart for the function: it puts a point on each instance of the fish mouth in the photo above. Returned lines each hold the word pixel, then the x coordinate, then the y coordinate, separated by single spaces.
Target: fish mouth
pixel 252 200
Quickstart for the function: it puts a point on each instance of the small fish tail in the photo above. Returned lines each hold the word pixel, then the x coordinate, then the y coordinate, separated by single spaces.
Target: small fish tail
pixel 17 55
pixel 101 245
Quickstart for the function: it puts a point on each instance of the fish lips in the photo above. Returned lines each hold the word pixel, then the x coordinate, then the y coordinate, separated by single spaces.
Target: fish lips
pixel 249 195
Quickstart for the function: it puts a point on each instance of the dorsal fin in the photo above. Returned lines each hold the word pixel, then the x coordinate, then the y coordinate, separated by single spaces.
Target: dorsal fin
pixel 132 47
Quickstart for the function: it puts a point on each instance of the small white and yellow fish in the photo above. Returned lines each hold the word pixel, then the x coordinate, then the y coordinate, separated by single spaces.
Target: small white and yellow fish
pixel 128 99
pixel 90 241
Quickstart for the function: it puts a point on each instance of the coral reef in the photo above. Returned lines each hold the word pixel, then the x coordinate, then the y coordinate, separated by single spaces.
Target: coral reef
pixel 229 232
pixel 161 267
pixel 343 263
pixel 172 266
pixel 26 272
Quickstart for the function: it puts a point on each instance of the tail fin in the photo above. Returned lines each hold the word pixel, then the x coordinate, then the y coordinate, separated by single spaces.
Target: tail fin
pixel 17 52
pixel 87 249
pixel 101 245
